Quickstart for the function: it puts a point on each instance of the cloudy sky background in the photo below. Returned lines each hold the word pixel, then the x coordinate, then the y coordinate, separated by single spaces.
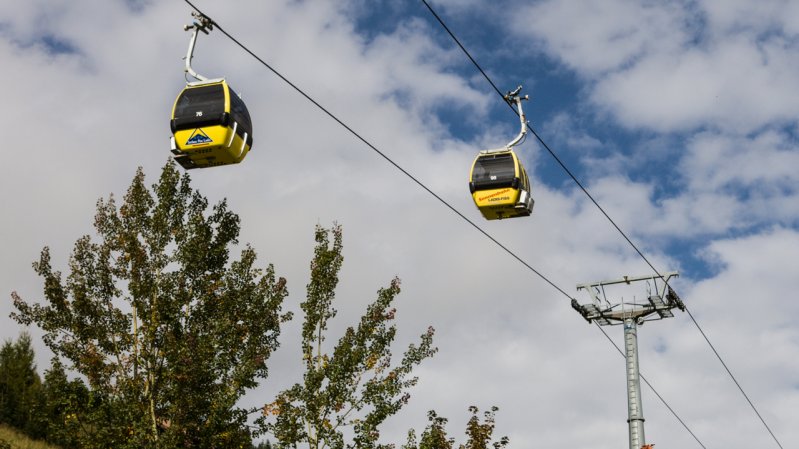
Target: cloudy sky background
pixel 680 117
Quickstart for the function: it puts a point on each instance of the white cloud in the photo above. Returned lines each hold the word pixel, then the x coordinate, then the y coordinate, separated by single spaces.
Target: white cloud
pixel 737 85
pixel 765 162
pixel 595 38
pixel 752 284
pixel 712 184
pixel 669 66
pixel 737 16
pixel 735 183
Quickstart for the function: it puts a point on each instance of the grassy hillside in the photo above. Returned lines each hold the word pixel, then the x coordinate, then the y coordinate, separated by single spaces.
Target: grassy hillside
pixel 10 438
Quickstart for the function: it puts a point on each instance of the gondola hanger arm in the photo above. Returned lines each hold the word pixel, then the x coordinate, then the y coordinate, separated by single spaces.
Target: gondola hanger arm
pixel 512 98
pixel 205 25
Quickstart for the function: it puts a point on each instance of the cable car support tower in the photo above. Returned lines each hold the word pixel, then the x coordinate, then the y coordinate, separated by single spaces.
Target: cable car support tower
pixel 661 300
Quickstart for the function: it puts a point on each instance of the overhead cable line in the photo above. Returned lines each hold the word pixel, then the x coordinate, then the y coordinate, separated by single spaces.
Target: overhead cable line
pixel 734 380
pixel 612 222
pixel 384 156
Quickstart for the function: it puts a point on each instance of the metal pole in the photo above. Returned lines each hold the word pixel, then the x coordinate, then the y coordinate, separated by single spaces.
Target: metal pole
pixel 635 412
pixel 600 311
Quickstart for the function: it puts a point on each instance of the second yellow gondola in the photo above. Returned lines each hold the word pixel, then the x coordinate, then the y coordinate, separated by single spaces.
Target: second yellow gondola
pixel 498 181
pixel 210 126
pixel 499 185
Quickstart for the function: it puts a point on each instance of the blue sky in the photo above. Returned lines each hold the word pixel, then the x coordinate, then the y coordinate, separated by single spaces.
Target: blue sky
pixel 680 117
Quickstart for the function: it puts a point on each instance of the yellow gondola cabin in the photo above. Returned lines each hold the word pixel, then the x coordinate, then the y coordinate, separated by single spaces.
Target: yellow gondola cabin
pixel 210 126
pixel 499 185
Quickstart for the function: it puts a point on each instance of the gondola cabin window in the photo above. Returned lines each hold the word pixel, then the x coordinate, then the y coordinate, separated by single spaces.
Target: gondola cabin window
pixel 239 112
pixel 199 106
pixel 495 171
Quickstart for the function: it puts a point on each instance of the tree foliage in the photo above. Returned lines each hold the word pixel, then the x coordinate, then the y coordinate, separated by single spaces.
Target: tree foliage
pixel 168 330
pixel 479 433
pixel 66 406
pixel 42 410
pixel 356 387
pixel 20 385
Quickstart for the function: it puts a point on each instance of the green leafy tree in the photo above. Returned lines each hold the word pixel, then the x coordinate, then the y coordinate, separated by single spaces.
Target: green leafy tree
pixel 479 433
pixel 65 407
pixel 434 436
pixel 20 385
pixel 356 387
pixel 167 330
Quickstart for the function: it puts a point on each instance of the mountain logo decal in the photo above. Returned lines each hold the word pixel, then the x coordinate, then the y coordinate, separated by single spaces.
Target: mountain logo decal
pixel 198 137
